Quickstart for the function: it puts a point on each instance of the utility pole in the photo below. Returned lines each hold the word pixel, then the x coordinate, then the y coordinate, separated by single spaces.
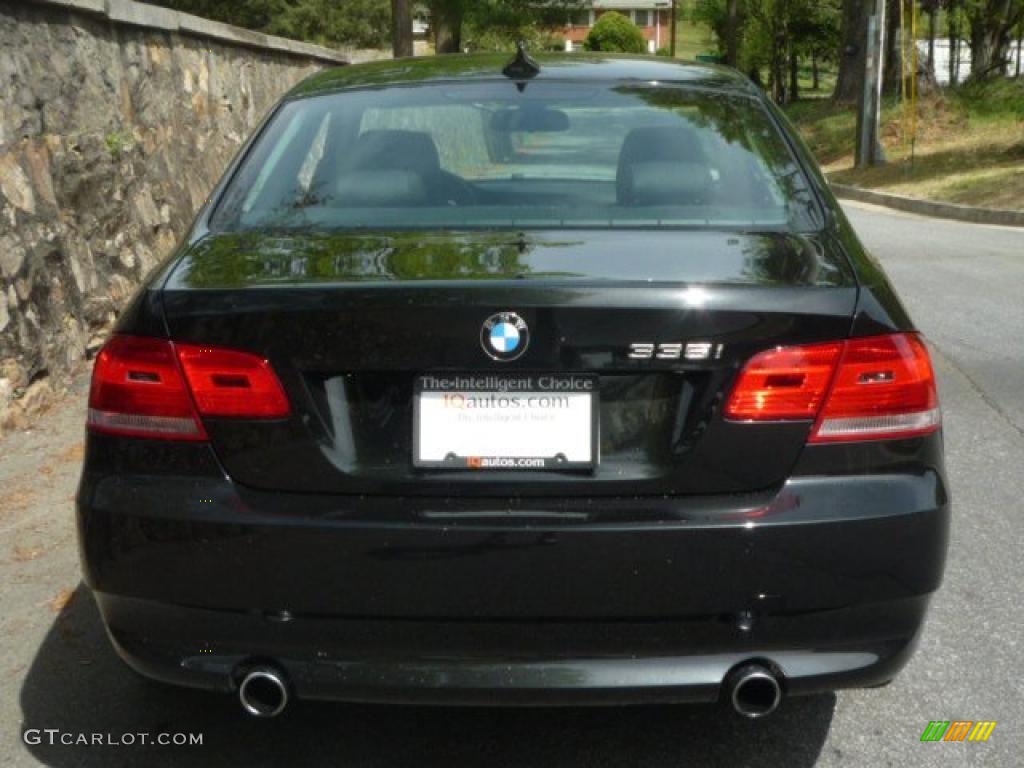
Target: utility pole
pixel 672 31
pixel 869 148
pixel 401 28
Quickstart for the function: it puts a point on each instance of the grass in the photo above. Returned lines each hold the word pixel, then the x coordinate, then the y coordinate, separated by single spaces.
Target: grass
pixel 969 147
pixel 693 40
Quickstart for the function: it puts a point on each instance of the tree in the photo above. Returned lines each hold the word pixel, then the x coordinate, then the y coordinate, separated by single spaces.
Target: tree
pixel 813 32
pixel 450 18
pixel 992 23
pixel 773 34
pixel 1020 48
pixel 766 42
pixel 732 32
pixel 931 7
pixel 613 32
pixel 778 33
pixel 446 18
pixel 822 43
pixel 953 25
pixel 726 20
pixel 401 29
pixel 359 23
pixel 852 61
pixel 893 58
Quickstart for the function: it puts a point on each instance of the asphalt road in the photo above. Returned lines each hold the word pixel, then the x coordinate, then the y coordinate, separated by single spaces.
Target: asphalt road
pixel 963 284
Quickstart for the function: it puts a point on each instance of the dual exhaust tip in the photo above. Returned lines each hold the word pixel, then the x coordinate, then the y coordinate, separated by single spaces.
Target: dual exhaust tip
pixel 263 691
pixel 753 689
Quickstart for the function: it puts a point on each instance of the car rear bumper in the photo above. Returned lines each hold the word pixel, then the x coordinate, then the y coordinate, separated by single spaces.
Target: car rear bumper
pixel 517 663
pixel 512 600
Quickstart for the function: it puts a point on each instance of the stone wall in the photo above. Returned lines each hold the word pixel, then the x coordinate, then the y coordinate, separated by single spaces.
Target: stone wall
pixel 116 120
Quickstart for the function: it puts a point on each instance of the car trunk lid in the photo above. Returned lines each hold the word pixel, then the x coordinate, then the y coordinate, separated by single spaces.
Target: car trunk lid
pixel 352 322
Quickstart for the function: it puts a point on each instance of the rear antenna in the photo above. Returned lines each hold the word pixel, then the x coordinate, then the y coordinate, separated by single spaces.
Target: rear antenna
pixel 522 67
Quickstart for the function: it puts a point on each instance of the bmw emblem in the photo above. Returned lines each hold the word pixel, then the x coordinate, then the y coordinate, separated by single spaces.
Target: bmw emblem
pixel 505 336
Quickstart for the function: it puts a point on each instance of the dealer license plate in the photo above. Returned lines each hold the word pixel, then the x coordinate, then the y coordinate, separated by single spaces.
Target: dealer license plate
pixel 506 422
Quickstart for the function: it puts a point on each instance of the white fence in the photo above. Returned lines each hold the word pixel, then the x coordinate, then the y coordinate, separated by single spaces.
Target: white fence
pixel 942 56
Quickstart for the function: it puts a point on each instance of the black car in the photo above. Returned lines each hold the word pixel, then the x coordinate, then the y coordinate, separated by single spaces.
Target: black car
pixel 553 381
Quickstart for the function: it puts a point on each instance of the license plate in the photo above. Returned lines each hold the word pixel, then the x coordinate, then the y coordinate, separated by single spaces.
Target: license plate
pixel 506 422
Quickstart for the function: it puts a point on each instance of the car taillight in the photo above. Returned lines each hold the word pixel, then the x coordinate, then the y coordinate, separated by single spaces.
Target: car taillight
pixel 234 384
pixel 875 388
pixel 784 383
pixel 145 387
pixel 138 390
pixel 884 389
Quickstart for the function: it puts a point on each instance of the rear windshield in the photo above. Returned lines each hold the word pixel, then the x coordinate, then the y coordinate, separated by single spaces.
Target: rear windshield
pixel 492 155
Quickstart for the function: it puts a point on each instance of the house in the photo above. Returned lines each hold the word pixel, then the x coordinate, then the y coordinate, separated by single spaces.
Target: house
pixel 654 18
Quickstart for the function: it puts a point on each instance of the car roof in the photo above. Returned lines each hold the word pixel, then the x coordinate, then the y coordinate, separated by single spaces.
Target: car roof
pixel 572 67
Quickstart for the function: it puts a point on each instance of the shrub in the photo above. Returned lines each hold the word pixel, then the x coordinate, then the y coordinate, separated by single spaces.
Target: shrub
pixel 495 38
pixel 613 32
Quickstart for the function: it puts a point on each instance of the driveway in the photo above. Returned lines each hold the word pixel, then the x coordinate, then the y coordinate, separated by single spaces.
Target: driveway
pixel 964 285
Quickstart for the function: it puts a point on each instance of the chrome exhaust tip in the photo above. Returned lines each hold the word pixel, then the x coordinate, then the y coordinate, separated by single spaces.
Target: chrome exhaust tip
pixel 754 690
pixel 263 692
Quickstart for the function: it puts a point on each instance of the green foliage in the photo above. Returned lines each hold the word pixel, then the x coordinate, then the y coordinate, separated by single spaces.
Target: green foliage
pixel 497 24
pixel 486 24
pixel 359 23
pixel 117 143
pixel 772 31
pixel 362 23
pixel 712 14
pixel 496 38
pixel 613 32
pixel 998 99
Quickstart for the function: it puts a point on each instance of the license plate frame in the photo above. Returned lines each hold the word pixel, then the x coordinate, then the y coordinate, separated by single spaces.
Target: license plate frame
pixel 581 391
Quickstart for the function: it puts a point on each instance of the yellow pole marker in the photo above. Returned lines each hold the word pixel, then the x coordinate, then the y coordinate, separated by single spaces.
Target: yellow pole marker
pixel 903 76
pixel 914 9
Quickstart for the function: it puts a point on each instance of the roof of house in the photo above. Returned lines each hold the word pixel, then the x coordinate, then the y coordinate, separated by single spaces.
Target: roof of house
pixel 593 67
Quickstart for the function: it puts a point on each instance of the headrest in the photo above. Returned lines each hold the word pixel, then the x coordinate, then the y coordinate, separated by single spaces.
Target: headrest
pixel 662 165
pixel 664 183
pixel 381 189
pixel 679 143
pixel 395 150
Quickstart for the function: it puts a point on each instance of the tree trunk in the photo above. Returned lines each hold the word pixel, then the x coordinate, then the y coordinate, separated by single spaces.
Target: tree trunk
pixel 815 72
pixel 953 22
pixel 672 29
pixel 851 59
pixel 447 28
pixel 401 28
pixel 794 76
pixel 893 54
pixel 932 31
pixel 991 23
pixel 984 52
pixel 732 33
pixel 778 67
pixel 1020 48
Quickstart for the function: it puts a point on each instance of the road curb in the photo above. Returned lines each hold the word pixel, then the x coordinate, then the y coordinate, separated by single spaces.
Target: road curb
pixel 930 208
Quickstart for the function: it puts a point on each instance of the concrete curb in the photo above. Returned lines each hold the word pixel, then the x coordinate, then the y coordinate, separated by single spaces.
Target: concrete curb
pixel 131 13
pixel 930 208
